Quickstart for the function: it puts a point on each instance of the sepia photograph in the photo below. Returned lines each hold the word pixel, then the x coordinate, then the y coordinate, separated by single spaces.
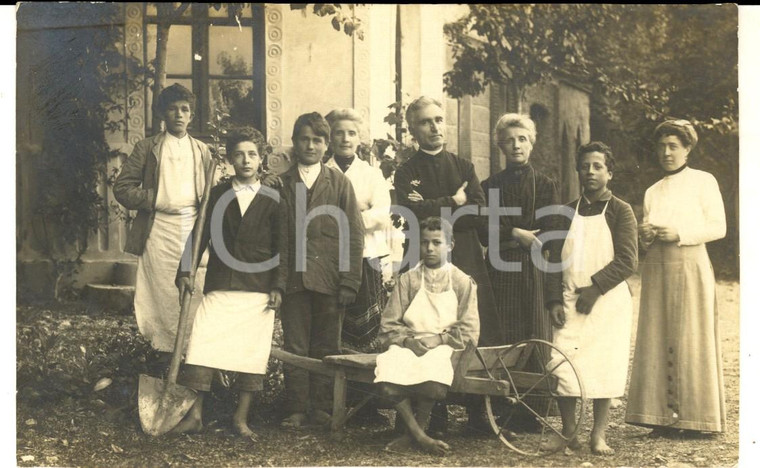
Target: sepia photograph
pixel 258 234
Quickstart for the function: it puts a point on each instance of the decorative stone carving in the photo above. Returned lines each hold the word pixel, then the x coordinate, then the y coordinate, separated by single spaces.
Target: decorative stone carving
pixel 274 93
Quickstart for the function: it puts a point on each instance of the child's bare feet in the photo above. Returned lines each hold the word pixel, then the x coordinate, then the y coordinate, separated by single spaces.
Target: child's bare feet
pixel 434 446
pixel 240 425
pixel 401 444
pixel 554 442
pixel 190 424
pixel 599 445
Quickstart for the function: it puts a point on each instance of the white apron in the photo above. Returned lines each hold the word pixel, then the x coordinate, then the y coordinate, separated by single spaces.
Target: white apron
pixel 598 344
pixel 232 331
pixel 156 297
pixel 428 314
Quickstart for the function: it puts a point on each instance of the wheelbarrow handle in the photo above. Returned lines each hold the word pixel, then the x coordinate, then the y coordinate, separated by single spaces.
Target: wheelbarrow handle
pixel 200 221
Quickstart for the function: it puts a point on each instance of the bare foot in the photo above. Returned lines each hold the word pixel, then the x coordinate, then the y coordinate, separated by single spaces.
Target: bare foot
pixel 401 444
pixel 295 420
pixel 554 442
pixel 189 425
pixel 241 427
pixel 434 446
pixel 599 445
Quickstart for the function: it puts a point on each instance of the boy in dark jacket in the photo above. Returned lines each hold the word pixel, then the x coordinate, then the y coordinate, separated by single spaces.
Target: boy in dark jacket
pixel 232 330
pixel 326 235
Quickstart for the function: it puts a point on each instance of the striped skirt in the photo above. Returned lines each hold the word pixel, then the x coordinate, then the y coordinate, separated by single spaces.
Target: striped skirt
pixel 519 296
pixel 361 322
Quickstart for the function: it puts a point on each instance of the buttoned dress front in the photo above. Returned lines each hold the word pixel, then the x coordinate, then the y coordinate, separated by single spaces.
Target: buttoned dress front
pixel 677 376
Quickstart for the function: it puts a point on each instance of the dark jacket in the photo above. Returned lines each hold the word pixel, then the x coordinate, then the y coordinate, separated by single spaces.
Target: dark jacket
pixel 320 236
pixel 135 187
pixel 255 237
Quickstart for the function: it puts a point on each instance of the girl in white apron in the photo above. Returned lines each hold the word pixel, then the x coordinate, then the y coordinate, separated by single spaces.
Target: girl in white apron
pixel 593 325
pixel 433 310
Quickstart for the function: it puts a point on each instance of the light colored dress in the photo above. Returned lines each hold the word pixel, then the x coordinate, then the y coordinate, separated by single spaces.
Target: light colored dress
pixel 677 376
pixel 156 301
pixel 598 343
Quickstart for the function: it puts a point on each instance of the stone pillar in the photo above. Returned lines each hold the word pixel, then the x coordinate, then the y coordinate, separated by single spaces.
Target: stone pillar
pixel 361 69
pixel 274 74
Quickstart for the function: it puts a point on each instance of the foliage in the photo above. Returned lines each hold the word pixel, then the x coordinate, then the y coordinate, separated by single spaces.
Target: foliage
pixel 80 98
pixel 341 19
pixel 663 60
pixel 66 357
pixel 523 43
pixel 64 354
pixel 643 63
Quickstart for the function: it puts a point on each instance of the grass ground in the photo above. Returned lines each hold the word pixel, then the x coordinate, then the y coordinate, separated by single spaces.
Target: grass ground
pixel 63 353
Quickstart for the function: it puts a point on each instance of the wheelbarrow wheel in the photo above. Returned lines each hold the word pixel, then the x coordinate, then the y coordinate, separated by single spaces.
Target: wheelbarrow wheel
pixel 531 368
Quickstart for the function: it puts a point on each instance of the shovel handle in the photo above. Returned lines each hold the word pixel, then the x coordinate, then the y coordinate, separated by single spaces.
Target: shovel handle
pixel 200 221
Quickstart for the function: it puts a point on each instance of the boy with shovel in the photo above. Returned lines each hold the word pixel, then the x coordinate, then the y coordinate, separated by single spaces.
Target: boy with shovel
pixel 233 326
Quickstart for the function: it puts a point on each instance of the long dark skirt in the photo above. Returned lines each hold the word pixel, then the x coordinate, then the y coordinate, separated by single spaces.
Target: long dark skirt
pixel 521 311
pixel 362 319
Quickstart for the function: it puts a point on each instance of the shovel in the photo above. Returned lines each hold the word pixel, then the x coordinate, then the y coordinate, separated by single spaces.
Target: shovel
pixel 163 404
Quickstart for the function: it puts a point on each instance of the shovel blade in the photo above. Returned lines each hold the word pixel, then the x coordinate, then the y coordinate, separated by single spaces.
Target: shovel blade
pixel 162 405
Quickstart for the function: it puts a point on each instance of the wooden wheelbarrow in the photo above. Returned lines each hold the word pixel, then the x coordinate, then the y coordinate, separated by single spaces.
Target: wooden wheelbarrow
pixel 515 375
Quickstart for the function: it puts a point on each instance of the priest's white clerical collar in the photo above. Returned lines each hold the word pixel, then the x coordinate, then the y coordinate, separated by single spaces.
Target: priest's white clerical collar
pixel 432 153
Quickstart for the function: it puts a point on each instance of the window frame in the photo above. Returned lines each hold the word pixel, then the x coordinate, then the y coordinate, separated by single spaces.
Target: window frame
pixel 200 72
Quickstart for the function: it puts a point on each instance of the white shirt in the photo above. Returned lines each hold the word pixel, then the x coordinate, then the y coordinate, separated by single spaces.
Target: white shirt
pixel 374 202
pixel 245 194
pixel 690 202
pixel 309 174
pixel 176 183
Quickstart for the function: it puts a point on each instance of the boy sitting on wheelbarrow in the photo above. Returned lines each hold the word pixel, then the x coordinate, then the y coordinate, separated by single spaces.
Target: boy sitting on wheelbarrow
pixel 432 311
pixel 244 283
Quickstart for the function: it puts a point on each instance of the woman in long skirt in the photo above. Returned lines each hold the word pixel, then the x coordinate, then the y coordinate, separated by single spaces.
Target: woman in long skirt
pixel 677 377
pixel 362 320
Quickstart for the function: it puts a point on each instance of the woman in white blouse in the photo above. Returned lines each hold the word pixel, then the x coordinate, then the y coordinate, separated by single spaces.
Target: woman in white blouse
pixel 362 319
pixel 677 377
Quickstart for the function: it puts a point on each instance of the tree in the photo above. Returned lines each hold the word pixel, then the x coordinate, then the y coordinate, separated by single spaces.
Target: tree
pixel 645 63
pixel 666 59
pixel 522 44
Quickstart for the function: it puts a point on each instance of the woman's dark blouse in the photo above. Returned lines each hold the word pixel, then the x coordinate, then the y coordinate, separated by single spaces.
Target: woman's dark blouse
pixel 622 224
pixel 514 188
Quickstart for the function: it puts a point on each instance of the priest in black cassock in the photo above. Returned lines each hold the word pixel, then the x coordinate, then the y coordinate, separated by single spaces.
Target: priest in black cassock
pixel 434 178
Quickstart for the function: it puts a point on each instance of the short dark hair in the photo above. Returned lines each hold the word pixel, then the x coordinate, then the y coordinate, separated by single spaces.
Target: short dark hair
pixel 436 223
pixel 237 135
pixel 173 93
pixel 416 106
pixel 595 146
pixel 681 129
pixel 317 123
